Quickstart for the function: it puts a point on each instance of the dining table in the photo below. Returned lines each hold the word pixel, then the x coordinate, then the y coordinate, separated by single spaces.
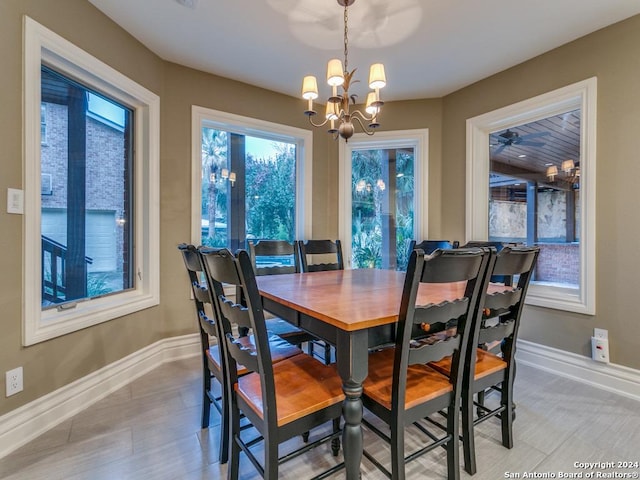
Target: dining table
pixel 355 311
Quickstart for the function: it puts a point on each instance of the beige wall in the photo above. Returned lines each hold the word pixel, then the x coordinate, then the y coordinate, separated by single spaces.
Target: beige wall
pixel 611 54
pixel 55 363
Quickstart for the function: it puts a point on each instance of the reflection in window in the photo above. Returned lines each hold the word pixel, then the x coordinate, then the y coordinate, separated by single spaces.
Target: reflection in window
pixel 85 200
pixel 534 190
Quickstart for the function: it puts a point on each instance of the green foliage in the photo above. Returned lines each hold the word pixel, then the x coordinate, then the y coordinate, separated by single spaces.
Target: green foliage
pixel 270 195
pixel 369 168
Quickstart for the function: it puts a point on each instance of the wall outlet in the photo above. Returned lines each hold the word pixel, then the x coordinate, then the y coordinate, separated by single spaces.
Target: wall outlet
pixel 600 349
pixel 601 333
pixel 13 381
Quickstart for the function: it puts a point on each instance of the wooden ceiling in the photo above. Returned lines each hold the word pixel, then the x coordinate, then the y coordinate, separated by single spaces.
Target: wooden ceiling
pixel 523 153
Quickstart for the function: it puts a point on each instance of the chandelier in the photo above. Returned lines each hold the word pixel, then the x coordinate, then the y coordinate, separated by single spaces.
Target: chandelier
pixel 340 118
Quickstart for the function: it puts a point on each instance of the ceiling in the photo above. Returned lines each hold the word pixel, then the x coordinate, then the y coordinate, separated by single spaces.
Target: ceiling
pixel 429 47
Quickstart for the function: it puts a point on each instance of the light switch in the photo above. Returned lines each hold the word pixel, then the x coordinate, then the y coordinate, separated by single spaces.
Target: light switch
pixel 15 201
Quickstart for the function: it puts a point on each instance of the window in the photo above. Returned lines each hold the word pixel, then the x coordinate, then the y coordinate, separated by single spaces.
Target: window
pixel 91 212
pixel 534 163
pixel 252 180
pixel 385 200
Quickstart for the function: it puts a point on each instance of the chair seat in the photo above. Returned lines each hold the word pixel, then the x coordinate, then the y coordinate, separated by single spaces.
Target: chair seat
pixel 423 382
pixel 303 386
pixel 486 364
pixel 280 350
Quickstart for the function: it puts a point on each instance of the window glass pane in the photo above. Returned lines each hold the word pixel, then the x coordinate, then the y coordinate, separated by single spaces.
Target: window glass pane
pixel 534 190
pixel 248 189
pixel 85 195
pixel 382 196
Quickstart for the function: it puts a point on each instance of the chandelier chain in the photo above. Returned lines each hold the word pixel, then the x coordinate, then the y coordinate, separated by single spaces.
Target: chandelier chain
pixel 346 38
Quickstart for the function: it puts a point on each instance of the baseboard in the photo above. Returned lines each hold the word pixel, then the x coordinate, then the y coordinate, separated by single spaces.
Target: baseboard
pixel 25 423
pixel 607 376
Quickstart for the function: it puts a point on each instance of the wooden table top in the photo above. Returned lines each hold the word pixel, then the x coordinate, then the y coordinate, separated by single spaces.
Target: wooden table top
pixel 350 299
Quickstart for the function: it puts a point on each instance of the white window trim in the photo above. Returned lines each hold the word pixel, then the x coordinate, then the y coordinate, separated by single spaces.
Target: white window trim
pixel 417 139
pixel 43 45
pixel 303 139
pixel 579 95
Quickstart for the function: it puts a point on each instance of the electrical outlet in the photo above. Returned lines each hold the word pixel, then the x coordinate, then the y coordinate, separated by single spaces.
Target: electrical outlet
pixel 13 381
pixel 601 333
pixel 600 349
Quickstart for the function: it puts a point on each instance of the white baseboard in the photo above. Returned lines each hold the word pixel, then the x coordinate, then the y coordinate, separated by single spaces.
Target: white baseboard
pixel 25 423
pixel 607 376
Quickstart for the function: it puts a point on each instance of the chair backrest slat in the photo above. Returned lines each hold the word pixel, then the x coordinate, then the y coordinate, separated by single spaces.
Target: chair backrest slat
pixel 441 313
pixel 496 333
pixel 234 312
pixel 500 302
pixel 423 352
pixel 430 246
pixel 243 353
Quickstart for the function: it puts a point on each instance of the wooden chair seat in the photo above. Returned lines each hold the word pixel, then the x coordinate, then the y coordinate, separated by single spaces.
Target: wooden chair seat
pixel 302 386
pixel 486 364
pixel 423 382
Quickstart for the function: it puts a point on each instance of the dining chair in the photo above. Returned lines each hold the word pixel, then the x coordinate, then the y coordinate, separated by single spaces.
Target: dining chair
pixel 212 364
pixel 278 257
pixel 428 246
pixel 495 329
pixel 282 399
pixel 319 256
pixel 213 361
pixel 401 390
pixel 328 255
pixel 498 246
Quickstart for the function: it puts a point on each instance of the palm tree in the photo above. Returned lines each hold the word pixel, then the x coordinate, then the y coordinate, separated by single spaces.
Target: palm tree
pixel 214 158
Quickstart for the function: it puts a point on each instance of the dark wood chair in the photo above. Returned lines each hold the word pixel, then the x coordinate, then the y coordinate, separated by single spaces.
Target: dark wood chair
pixel 213 360
pixel 212 365
pixel 401 389
pixel 496 329
pixel 278 257
pixel 429 246
pixel 283 399
pixel 327 255
pixel 498 246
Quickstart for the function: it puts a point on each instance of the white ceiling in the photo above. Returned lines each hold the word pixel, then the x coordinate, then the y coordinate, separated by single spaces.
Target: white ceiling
pixel 429 47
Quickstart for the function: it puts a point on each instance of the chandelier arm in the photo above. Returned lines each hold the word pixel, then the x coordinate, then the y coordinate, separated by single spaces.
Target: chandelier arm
pixel 364 129
pixel 318 124
pixel 363 116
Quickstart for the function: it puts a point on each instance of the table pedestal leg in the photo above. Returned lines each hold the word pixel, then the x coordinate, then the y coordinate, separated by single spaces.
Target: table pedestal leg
pixel 352 430
pixel 352 361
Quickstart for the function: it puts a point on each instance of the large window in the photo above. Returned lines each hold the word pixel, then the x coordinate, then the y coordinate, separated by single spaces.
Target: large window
pixel 383 206
pixel 91 236
pixel 534 164
pixel 251 178
pixel 85 216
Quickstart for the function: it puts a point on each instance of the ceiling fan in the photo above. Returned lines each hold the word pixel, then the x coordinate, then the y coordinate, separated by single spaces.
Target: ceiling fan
pixel 509 137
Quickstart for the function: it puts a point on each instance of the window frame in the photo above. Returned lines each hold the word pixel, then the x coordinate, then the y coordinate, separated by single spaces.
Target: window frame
pixel 202 116
pixel 581 95
pixel 41 45
pixel 417 139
